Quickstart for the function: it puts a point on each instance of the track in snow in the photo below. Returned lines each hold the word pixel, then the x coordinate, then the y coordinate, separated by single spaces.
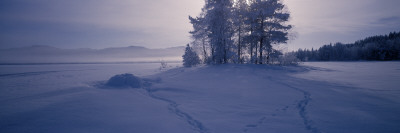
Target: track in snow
pixel 250 126
pixel 302 106
pixel 173 106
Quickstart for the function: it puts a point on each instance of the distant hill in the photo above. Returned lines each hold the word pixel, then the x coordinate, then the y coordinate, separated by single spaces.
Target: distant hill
pixel 48 54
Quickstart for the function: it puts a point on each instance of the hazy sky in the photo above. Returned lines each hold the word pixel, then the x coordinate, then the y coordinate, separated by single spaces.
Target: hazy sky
pixel 164 23
pixel 319 22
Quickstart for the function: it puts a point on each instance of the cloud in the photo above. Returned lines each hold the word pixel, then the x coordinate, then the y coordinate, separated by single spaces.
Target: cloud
pixel 164 23
pixel 392 20
pixel 338 16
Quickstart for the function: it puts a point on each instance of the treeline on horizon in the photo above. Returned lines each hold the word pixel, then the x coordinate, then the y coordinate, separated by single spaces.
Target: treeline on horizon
pixel 374 48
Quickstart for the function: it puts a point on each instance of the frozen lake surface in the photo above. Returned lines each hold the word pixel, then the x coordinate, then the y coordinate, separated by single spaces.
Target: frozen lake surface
pixel 314 97
pixel 379 76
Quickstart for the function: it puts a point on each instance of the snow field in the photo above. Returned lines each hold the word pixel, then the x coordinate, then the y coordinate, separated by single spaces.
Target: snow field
pixel 310 98
pixel 69 101
pixel 225 99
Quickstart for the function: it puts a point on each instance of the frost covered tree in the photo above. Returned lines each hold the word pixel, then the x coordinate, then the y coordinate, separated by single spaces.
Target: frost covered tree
pixel 199 35
pixel 240 11
pixel 219 26
pixel 213 28
pixel 269 19
pixel 190 58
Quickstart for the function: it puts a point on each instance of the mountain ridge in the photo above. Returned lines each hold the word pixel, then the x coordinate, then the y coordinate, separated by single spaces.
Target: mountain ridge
pixel 49 54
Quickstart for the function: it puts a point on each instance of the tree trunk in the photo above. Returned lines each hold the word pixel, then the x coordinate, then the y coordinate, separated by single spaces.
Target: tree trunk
pixel 204 50
pixel 261 40
pixel 251 45
pixel 239 46
pixel 255 52
pixel 261 50
pixel 269 50
pixel 212 53
pixel 225 56
pixel 268 57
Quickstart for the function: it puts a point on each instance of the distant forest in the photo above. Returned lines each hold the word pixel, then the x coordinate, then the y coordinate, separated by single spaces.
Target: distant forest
pixel 375 48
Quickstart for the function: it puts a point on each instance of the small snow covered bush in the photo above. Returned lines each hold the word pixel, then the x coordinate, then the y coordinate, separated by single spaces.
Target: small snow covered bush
pixel 164 64
pixel 124 80
pixel 288 59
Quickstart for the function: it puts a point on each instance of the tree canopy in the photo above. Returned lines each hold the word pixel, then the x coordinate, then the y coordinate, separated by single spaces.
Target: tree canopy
pixel 238 31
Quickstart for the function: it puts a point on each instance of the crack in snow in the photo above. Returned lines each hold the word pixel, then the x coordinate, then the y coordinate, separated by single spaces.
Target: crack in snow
pixel 28 73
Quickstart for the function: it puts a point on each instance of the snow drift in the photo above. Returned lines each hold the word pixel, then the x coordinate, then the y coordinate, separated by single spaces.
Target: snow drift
pixel 124 80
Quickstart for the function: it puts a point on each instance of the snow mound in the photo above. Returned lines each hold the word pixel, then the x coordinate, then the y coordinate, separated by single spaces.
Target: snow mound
pixel 124 80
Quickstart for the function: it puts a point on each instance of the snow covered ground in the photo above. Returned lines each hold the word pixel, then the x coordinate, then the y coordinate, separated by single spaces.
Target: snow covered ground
pixel 332 97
